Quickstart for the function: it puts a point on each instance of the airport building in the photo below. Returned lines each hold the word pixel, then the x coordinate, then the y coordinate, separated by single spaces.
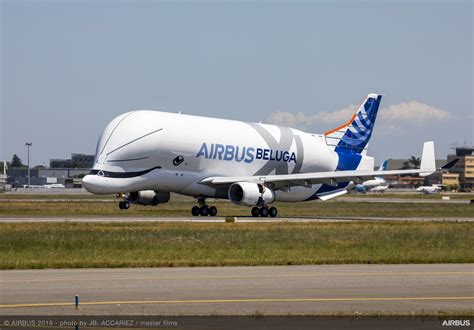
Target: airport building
pixel 67 172
pixel 3 175
pixel 76 161
pixel 462 173
pixel 451 180
pixel 412 181
pixel 69 177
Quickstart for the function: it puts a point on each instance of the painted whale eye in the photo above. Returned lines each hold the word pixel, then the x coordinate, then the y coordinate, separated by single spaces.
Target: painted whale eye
pixel 178 160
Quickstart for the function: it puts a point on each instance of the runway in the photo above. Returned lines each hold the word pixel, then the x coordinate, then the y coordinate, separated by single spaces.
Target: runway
pixel 281 290
pixel 124 219
pixel 339 199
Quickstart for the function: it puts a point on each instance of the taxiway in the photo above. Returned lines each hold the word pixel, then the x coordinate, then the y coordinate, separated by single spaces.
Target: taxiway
pixel 280 290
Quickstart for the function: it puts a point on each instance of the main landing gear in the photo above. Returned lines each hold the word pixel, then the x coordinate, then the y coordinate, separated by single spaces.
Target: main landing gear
pixel 203 209
pixel 264 211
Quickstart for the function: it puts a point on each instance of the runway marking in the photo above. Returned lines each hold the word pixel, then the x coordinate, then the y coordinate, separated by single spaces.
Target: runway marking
pixel 220 301
pixel 237 276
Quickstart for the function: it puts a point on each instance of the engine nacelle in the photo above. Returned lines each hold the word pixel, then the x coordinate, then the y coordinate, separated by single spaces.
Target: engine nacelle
pixel 148 197
pixel 252 194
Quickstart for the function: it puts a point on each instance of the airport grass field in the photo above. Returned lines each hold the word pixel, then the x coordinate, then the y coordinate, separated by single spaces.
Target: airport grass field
pixel 70 245
pixel 142 244
pixel 79 206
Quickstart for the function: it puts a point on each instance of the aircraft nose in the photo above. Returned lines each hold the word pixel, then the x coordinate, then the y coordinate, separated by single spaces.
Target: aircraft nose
pixel 89 182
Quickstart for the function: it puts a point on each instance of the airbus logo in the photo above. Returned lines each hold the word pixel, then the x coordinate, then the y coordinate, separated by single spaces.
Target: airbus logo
pixel 246 154
pixel 456 323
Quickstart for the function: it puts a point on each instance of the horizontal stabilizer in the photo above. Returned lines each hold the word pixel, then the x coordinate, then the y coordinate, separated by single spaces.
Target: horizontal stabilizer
pixel 449 165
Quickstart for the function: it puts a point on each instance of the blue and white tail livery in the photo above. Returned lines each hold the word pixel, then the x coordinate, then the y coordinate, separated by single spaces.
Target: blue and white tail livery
pixel 354 136
pixel 382 167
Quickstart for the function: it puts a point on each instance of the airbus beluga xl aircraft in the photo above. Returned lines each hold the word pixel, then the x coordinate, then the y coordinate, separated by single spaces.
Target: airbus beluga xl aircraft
pixel 145 155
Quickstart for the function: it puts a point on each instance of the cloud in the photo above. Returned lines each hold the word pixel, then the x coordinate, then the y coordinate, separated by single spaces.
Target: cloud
pixel 338 116
pixel 412 112
pixel 301 120
pixel 283 118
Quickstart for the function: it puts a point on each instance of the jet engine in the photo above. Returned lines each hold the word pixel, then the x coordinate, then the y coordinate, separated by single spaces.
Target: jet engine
pixel 252 194
pixel 148 197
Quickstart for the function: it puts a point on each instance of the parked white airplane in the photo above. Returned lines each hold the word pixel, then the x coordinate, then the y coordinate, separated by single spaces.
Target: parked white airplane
pixel 378 184
pixel 433 189
pixel 54 185
pixel 145 155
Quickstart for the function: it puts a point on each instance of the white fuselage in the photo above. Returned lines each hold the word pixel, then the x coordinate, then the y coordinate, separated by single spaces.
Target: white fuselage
pixel 434 189
pixel 172 152
pixel 375 185
pixel 369 184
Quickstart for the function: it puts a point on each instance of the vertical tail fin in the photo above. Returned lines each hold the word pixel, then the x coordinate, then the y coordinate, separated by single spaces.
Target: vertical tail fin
pixel 354 136
pixel 428 162
pixel 382 167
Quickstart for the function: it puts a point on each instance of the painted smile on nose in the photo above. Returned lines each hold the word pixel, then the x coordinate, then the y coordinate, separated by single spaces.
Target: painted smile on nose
pixel 99 181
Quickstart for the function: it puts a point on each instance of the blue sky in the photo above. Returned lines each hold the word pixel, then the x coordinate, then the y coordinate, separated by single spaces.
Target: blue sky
pixel 69 67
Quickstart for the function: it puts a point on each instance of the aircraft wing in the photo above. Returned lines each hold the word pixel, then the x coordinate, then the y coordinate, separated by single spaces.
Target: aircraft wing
pixel 428 166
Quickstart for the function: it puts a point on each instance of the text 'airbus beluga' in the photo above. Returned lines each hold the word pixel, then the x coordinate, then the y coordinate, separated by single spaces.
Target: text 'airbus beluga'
pixel 145 155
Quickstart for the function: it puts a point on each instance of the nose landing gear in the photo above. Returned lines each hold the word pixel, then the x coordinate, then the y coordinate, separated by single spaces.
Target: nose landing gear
pixel 264 211
pixel 203 209
pixel 124 205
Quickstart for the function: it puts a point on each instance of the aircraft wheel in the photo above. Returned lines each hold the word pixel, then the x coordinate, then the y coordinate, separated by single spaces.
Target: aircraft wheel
pixel 121 205
pixel 204 211
pixel 126 205
pixel 212 211
pixel 273 211
pixel 255 211
pixel 195 211
pixel 264 212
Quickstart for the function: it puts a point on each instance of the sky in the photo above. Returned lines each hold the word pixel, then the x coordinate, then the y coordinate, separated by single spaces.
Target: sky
pixel 70 67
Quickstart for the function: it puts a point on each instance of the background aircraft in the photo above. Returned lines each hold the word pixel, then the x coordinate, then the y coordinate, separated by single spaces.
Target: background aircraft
pixel 378 184
pixel 433 189
pixel 145 155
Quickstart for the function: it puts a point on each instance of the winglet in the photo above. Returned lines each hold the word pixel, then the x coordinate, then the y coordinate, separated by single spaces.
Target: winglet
pixel 428 164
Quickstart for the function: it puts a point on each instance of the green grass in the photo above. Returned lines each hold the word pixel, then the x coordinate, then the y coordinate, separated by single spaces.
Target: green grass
pixel 24 205
pixel 69 245
pixel 182 207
